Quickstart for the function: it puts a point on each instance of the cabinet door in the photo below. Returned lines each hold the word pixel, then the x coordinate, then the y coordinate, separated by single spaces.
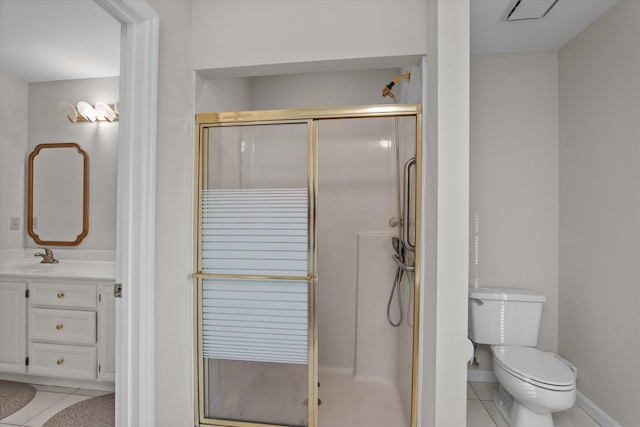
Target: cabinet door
pixel 13 327
pixel 106 334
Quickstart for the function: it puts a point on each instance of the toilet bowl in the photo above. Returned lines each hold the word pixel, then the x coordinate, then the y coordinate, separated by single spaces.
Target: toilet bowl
pixel 533 384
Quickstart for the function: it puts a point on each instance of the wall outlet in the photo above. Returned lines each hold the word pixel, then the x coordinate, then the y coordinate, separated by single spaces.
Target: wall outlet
pixel 15 223
pixel 34 223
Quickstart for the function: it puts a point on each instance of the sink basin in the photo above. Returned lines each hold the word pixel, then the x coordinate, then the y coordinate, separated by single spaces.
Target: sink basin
pixel 72 269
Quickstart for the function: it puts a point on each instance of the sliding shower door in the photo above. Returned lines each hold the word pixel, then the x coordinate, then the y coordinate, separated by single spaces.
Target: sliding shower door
pixel 255 274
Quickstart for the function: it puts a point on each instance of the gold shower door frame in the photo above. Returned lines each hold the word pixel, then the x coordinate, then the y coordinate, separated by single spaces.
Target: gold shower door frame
pixel 310 116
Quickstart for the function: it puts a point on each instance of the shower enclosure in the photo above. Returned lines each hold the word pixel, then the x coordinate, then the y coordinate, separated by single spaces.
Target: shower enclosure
pixel 298 250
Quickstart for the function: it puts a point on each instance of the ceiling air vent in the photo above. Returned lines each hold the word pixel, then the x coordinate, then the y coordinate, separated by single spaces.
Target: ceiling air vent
pixel 521 10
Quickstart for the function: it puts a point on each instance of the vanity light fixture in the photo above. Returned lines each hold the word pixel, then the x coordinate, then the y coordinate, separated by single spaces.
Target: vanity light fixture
pixel 84 112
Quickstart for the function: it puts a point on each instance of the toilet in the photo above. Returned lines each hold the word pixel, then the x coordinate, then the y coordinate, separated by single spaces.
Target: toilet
pixel 532 383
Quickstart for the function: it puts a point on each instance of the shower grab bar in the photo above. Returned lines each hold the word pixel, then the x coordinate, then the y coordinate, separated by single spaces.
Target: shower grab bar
pixel 407 195
pixel 402 265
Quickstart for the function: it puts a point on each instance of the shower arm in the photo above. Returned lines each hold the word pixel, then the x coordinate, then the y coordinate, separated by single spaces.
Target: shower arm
pixel 386 91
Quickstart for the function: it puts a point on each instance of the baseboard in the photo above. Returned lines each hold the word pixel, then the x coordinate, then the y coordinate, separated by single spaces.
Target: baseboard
pixel 594 412
pixel 59 382
pixel 481 376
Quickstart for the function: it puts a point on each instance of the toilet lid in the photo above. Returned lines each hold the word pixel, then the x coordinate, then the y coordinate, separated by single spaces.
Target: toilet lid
pixel 534 366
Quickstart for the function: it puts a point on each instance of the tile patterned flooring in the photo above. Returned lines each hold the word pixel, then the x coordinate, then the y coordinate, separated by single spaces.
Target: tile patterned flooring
pixel 482 412
pixel 47 402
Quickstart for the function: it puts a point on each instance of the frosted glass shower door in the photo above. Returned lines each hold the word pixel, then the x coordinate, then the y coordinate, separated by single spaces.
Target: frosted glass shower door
pixel 255 275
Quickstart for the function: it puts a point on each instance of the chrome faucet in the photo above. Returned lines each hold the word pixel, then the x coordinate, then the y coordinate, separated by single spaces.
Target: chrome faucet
pixel 47 256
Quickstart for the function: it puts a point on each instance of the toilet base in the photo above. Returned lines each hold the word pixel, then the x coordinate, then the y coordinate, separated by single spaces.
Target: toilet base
pixel 516 414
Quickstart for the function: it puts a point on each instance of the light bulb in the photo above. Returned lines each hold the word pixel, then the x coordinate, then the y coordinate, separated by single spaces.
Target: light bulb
pixel 87 111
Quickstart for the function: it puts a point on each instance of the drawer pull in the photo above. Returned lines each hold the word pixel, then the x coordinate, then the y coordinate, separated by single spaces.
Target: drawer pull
pixel 60 294
pixel 59 326
pixel 60 361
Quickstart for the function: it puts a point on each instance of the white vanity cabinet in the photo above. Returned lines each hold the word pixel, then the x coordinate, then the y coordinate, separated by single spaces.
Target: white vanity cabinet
pixel 13 326
pixel 66 327
pixel 107 333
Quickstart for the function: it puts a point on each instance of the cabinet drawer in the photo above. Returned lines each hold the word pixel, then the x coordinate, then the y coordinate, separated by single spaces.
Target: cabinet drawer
pixel 62 295
pixel 63 361
pixel 62 326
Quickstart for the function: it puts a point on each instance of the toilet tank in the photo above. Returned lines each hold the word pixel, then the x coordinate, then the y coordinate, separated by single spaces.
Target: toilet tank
pixel 504 316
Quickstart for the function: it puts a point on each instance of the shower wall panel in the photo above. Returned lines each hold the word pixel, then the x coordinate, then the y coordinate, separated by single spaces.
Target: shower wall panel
pixel 268 156
pixel 356 194
pixel 374 335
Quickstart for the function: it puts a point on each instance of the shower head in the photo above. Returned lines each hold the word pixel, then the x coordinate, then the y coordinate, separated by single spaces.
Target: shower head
pixel 398 247
pixel 386 91
pixel 395 242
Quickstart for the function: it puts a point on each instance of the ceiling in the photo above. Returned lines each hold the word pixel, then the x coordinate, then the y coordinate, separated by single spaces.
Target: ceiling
pixel 47 40
pixel 490 33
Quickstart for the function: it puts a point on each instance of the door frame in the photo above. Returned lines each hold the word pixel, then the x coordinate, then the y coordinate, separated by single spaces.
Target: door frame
pixel 135 241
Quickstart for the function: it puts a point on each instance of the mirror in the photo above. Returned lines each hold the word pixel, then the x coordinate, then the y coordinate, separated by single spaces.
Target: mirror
pixel 58 194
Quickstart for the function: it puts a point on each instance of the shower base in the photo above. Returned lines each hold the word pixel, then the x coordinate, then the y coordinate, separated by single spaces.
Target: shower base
pixel 277 394
pixel 347 402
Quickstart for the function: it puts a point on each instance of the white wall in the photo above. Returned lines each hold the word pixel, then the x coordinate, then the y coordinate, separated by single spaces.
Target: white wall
pixel 174 218
pixel 514 180
pixel 327 89
pixel 13 154
pixel 444 264
pixel 222 94
pixel 600 209
pixel 99 140
pixel 231 33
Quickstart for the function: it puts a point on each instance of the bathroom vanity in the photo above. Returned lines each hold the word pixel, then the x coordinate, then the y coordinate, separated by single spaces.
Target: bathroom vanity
pixel 57 323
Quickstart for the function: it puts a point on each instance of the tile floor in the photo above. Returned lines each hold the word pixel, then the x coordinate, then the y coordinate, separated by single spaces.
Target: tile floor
pixel 481 411
pixel 47 402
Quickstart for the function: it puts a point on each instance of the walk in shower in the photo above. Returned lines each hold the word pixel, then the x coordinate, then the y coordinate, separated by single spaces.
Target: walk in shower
pixel 305 242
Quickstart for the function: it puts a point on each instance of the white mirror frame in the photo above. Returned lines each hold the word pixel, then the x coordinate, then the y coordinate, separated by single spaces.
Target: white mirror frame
pixel 135 241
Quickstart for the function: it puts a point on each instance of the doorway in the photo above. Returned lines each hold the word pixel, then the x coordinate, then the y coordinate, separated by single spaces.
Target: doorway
pixel 135 247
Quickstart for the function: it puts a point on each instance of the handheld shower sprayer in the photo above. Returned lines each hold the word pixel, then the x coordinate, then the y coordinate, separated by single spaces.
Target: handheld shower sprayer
pixel 386 91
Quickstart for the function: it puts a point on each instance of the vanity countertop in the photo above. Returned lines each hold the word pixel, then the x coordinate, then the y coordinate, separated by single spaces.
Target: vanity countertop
pixel 64 269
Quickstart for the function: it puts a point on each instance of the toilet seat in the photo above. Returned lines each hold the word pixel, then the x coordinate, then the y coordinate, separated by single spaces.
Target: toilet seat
pixel 536 367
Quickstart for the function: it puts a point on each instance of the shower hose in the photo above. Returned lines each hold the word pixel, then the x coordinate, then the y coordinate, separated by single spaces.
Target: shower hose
pixel 396 290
